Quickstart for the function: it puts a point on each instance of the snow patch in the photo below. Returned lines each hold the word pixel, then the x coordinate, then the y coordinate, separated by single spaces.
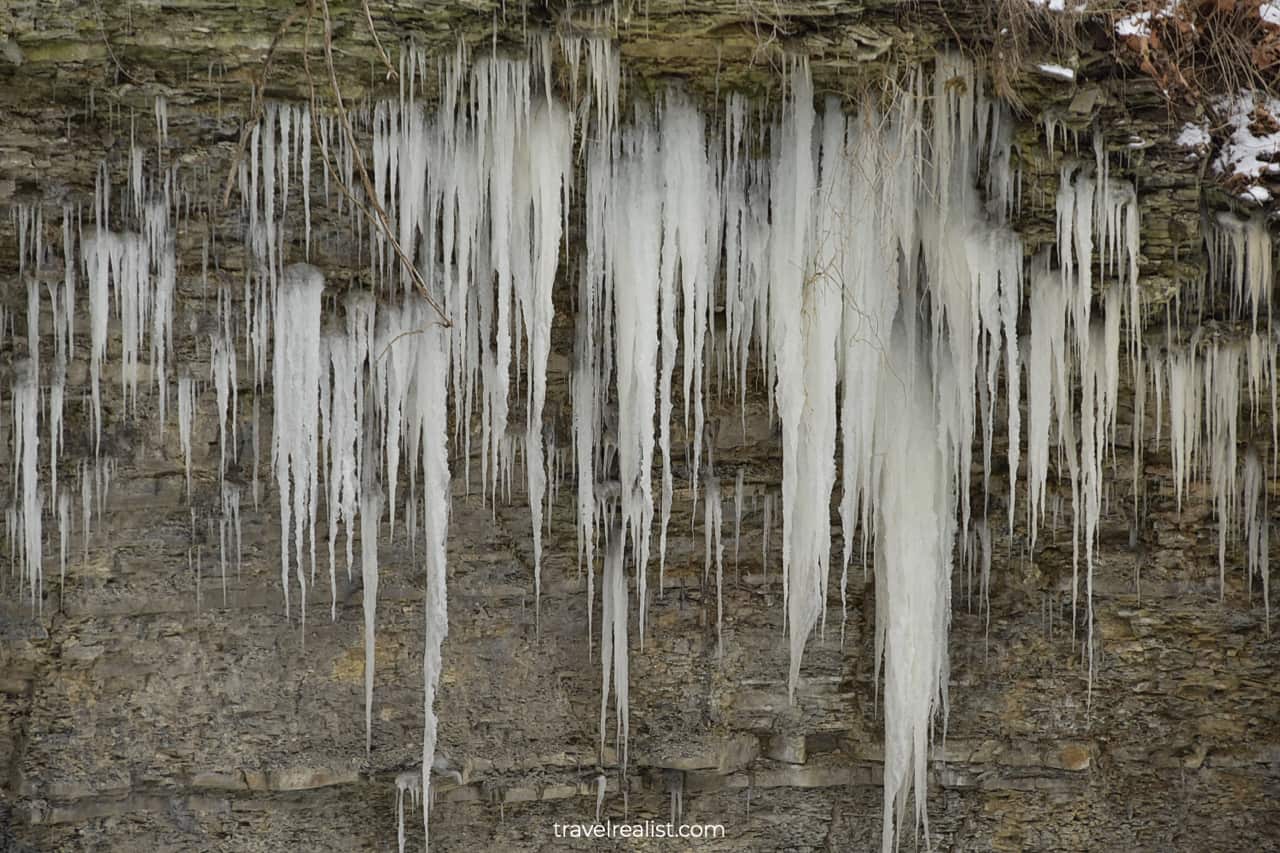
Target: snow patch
pixel 1057 72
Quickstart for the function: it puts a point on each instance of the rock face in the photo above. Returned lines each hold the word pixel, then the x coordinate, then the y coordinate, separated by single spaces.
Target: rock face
pixel 153 705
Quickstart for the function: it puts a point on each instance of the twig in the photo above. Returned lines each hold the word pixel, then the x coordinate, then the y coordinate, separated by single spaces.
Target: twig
pixel 259 89
pixel 373 31
pixel 102 30
pixel 382 219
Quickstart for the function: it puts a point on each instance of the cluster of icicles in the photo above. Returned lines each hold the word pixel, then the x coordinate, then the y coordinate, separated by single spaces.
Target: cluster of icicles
pixel 862 268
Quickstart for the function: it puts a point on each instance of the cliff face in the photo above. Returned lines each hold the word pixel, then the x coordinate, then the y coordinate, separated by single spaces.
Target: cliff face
pixel 160 700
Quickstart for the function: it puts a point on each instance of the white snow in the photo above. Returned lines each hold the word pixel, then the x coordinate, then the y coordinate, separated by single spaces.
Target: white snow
pixel 1057 72
pixel 1260 195
pixel 1192 136
pixel 1137 25
pixel 1058 5
pixel 1249 153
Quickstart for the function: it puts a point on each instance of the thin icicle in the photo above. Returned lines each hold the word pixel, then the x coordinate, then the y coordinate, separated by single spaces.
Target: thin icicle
pixel 297 377
pixel 613 643
pixel 712 523
pixel 1257 526
pixel 186 412
pixel 26 448
pixel 370 519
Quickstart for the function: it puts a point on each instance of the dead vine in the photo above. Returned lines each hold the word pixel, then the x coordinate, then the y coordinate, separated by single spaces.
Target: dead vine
pixel 373 211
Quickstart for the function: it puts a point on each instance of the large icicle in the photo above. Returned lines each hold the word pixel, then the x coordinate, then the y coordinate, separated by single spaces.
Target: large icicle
pixel 613 643
pixel 341 443
pixel 915 526
pixel 635 238
pixel 431 394
pixel 296 380
pixel 26 450
pixel 804 318
pixel 370 519
pixel 550 140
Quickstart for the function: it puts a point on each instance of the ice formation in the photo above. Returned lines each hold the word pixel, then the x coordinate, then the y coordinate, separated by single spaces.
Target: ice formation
pixel 613 642
pixel 857 264
pixel 915 509
pixel 186 411
pixel 27 489
pixel 296 382
pixel 431 397
pixel 406 783
pixel 1257 525
pixel 370 518
pixel 712 523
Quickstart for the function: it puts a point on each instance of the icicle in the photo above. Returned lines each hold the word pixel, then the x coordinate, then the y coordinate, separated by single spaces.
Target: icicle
pixel 297 379
pixel 613 643
pixel 767 528
pixel 689 220
pixel 342 444
pixel 186 411
pixel 26 448
pixel 432 378
pixel 1240 258
pixel 57 393
pixel 230 517
pixel 222 370
pixel 1222 378
pixel 550 150
pixel 163 254
pixel 737 516
pixel 915 523
pixel 406 782
pixel 712 520
pixel 370 518
pixel 64 534
pixel 601 783
pixel 1257 526
pixel 68 282
pixel 634 233
pixel 86 507
pixel 805 317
